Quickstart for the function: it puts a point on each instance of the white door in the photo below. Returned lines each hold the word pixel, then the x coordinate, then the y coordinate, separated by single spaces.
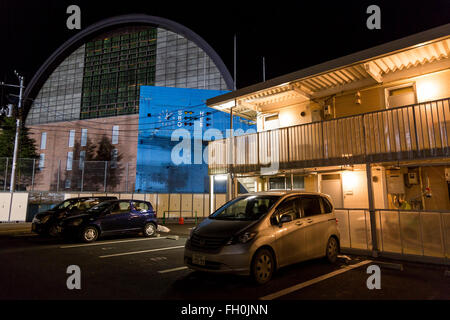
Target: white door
pixel 332 186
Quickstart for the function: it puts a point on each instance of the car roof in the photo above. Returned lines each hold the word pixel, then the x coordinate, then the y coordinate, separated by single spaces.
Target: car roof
pixel 283 193
pixel 123 200
pixel 93 197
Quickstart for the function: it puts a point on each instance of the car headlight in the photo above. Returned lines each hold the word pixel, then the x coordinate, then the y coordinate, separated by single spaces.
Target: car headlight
pixel 192 232
pixel 75 222
pixel 242 238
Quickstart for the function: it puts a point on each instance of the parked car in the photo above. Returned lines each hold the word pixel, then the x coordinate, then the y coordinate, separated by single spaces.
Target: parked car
pixel 46 223
pixel 111 217
pixel 255 234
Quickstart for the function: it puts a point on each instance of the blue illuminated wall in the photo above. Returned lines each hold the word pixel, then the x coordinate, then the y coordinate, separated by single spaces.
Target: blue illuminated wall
pixel 163 110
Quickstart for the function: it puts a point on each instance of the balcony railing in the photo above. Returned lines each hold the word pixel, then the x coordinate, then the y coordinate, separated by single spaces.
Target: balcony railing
pixel 404 133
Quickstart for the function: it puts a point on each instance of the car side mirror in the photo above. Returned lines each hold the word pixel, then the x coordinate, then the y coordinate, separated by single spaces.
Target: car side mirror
pixel 273 220
pixel 285 218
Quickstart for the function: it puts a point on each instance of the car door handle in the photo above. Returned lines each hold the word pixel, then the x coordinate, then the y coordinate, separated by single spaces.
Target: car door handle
pixel 309 221
pixel 299 223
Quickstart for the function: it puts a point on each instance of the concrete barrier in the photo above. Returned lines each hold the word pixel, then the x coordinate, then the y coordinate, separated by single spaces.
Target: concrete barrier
pixel 19 205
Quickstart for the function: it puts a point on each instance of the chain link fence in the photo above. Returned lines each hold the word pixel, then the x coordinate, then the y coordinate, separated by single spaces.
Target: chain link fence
pixel 68 176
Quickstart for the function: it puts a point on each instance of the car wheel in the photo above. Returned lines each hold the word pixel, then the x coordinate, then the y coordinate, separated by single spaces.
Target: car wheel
pixel 53 230
pixel 89 234
pixel 150 230
pixel 332 250
pixel 263 266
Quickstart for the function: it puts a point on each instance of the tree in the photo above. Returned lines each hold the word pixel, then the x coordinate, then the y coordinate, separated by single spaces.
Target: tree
pixel 25 155
pixel 91 173
pixel 76 175
pixel 106 151
pixel 27 145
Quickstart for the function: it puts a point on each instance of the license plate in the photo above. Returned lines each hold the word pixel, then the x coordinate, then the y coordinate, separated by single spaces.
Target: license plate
pixel 198 259
pixel 33 227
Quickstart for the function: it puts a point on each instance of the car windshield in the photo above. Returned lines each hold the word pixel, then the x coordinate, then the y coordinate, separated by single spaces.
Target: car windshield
pixel 245 208
pixel 84 204
pixel 64 204
pixel 100 207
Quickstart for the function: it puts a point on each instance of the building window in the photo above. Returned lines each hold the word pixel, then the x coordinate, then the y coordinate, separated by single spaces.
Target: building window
pixel 284 183
pixel 82 158
pixel 69 160
pixel 399 96
pixel 115 135
pixel 41 160
pixel 43 140
pixel 115 66
pixel 71 138
pixel 84 133
pixel 271 122
pixel 67 184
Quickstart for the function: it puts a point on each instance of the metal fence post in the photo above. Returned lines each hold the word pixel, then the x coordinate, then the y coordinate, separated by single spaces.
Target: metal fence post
pixel 82 175
pixel 349 228
pixel 373 225
pixel 32 175
pixel 126 179
pixel 6 174
pixel 104 180
pixel 59 178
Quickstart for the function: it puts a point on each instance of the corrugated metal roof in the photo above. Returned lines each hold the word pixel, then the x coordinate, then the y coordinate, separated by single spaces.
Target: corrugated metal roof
pixel 403 54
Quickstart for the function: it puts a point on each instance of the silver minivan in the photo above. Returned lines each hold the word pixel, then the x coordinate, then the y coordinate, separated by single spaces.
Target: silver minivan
pixel 255 234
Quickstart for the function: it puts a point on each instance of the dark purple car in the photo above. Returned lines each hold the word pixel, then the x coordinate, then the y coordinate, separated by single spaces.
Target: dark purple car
pixel 46 223
pixel 111 217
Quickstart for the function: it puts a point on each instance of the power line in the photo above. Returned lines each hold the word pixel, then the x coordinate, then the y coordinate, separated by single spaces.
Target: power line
pixel 108 132
pixel 126 121
pixel 173 125
pixel 190 107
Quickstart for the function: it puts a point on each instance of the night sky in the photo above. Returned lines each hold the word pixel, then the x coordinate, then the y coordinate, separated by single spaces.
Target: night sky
pixel 290 35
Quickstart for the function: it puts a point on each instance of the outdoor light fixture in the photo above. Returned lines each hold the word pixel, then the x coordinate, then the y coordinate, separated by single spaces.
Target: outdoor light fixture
pixel 349 181
pixel 221 177
pixel 226 105
pixel 427 91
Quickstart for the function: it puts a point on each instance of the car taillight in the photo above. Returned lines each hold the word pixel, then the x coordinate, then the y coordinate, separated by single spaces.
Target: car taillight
pixel 337 221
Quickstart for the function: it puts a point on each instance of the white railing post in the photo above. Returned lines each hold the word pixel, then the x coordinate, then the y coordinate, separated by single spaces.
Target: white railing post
pixel 373 225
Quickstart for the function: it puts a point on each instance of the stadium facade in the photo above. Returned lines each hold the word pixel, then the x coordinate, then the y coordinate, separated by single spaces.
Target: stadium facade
pixel 90 89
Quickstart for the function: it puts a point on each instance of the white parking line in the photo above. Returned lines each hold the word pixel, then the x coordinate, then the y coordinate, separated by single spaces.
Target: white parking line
pixel 143 251
pixel 172 270
pixel 313 281
pixel 108 242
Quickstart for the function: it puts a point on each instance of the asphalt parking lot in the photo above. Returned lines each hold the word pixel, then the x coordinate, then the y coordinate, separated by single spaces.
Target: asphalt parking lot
pixel 134 267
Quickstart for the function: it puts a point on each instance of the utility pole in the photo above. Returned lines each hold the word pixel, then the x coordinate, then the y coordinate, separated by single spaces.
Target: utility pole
pixel 12 185
pixel 264 68
pixel 235 57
